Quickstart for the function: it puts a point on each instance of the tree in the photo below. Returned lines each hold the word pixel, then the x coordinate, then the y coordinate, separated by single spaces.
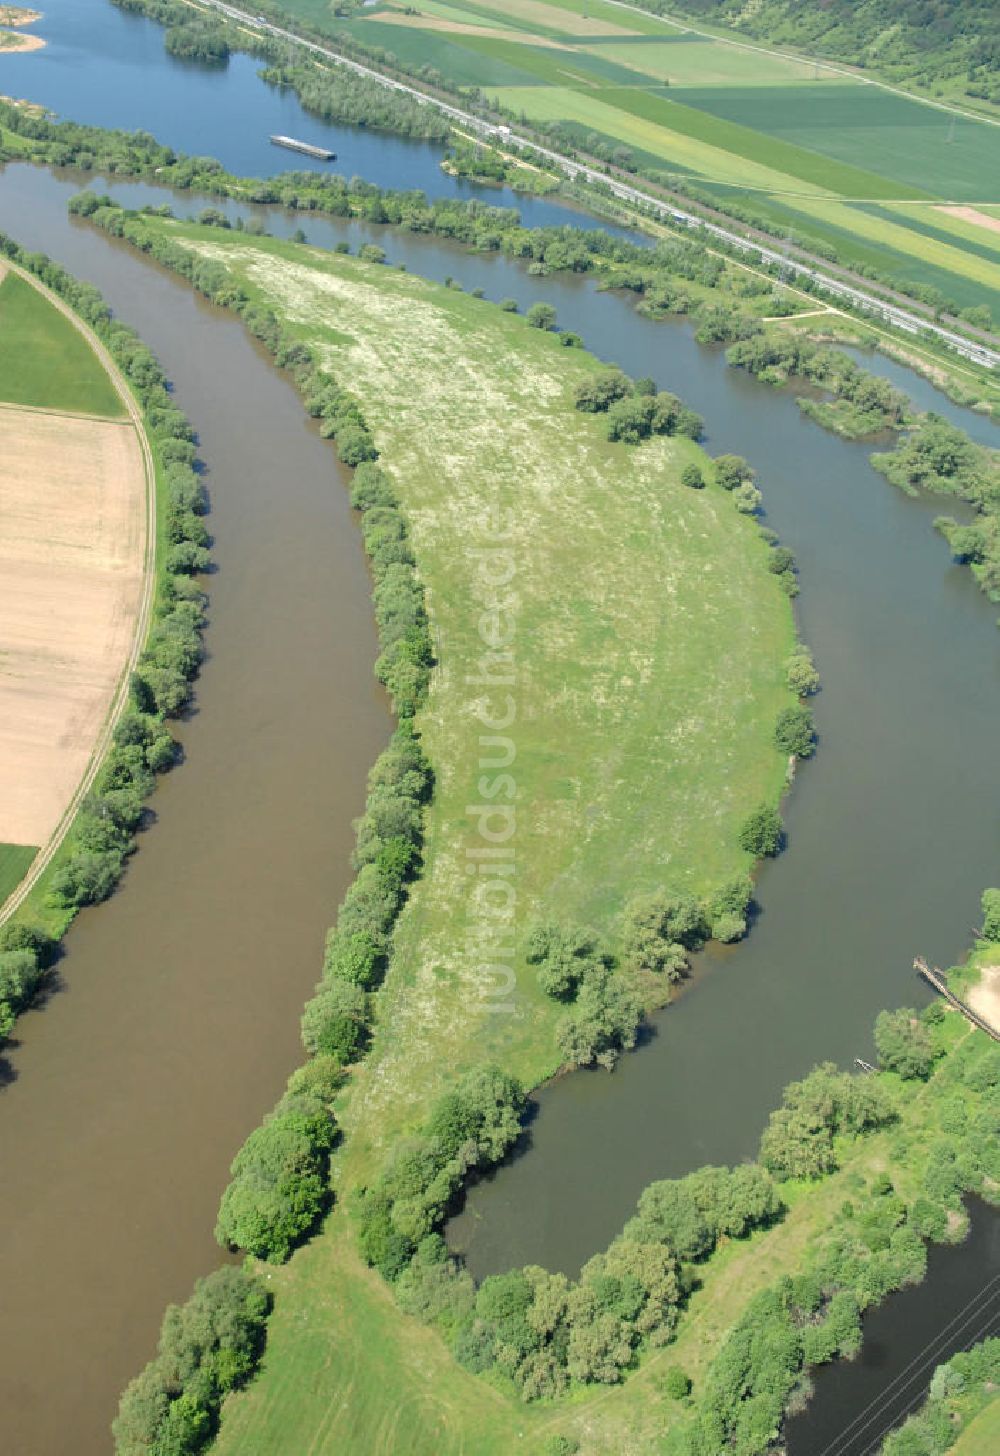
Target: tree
pixel 692 477
pixel 660 929
pixel 541 316
pixel 991 914
pixel 631 419
pixel 904 1044
pixel 761 833
pixel 599 391
pixel 747 498
pixel 731 471
pixel 794 732
pixel 335 1021
pixel 800 672
pixel 602 1021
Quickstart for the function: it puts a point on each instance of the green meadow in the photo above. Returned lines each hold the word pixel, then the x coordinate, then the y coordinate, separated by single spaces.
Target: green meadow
pixel 44 360
pixel 651 639
pixel 722 114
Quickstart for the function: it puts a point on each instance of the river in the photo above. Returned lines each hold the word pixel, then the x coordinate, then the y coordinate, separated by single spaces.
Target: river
pixel 178 1022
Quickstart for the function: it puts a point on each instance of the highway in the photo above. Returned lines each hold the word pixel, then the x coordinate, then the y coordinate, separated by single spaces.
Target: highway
pixel 669 211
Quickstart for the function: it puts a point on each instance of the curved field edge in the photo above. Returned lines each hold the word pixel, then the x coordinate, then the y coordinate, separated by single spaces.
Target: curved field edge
pixel 30 893
pixel 647 648
pixel 154 686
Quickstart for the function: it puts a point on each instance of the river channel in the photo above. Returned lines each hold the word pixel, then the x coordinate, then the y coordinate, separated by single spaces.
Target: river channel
pixel 177 1021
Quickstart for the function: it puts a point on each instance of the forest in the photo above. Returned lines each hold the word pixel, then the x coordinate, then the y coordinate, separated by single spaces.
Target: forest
pixel 923 42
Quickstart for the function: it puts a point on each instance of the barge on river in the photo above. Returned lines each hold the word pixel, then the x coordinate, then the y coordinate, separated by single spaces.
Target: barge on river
pixel 307 147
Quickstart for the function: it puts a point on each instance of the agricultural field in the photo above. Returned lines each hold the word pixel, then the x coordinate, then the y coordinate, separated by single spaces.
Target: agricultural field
pixel 72 541
pixel 46 362
pixel 15 861
pixel 807 145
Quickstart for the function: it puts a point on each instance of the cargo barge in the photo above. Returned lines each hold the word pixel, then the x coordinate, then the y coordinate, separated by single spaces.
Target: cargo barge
pixel 306 147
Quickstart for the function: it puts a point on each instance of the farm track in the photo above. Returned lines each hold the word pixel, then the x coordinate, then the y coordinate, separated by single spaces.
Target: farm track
pixel 48 851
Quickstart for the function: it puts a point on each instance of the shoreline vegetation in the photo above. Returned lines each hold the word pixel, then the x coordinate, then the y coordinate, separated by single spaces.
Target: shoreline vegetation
pixel 964 1401
pixel 729 301
pixel 103 834
pixel 905 1145
pixel 678 278
pixel 15 40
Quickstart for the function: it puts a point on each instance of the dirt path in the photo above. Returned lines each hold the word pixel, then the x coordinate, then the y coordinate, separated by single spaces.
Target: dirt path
pixel 62 530
pixel 985 997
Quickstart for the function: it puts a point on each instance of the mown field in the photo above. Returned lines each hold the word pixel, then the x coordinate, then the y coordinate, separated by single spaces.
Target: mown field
pixel 983 1436
pixel 45 361
pixel 727 116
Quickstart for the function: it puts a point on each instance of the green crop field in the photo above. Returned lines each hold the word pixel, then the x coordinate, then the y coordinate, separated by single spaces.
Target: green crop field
pixel 44 360
pixel 15 861
pixel 919 147
pixel 901 246
pixel 724 113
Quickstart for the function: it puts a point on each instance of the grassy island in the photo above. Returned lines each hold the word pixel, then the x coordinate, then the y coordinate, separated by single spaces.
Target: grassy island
pixel 645 642
pixel 590 647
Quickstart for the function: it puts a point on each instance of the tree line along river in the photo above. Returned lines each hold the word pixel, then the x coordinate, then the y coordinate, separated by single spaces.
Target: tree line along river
pixel 177 1021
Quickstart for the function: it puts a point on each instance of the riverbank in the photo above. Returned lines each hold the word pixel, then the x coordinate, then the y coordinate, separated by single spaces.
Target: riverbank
pixel 858 1229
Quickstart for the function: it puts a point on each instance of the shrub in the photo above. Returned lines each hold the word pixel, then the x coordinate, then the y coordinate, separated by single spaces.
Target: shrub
pixel 798 1140
pixel 598 392
pixel 676 1385
pixel 563 958
pixel 800 672
pixel 731 471
pixel 794 732
pixel 541 316
pixel 659 931
pixel 727 910
pixel 631 419
pixel 904 1044
pixel 747 498
pixel 692 477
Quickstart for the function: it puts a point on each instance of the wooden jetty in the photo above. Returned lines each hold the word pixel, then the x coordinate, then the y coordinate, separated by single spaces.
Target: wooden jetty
pixel 935 979
pixel 305 147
